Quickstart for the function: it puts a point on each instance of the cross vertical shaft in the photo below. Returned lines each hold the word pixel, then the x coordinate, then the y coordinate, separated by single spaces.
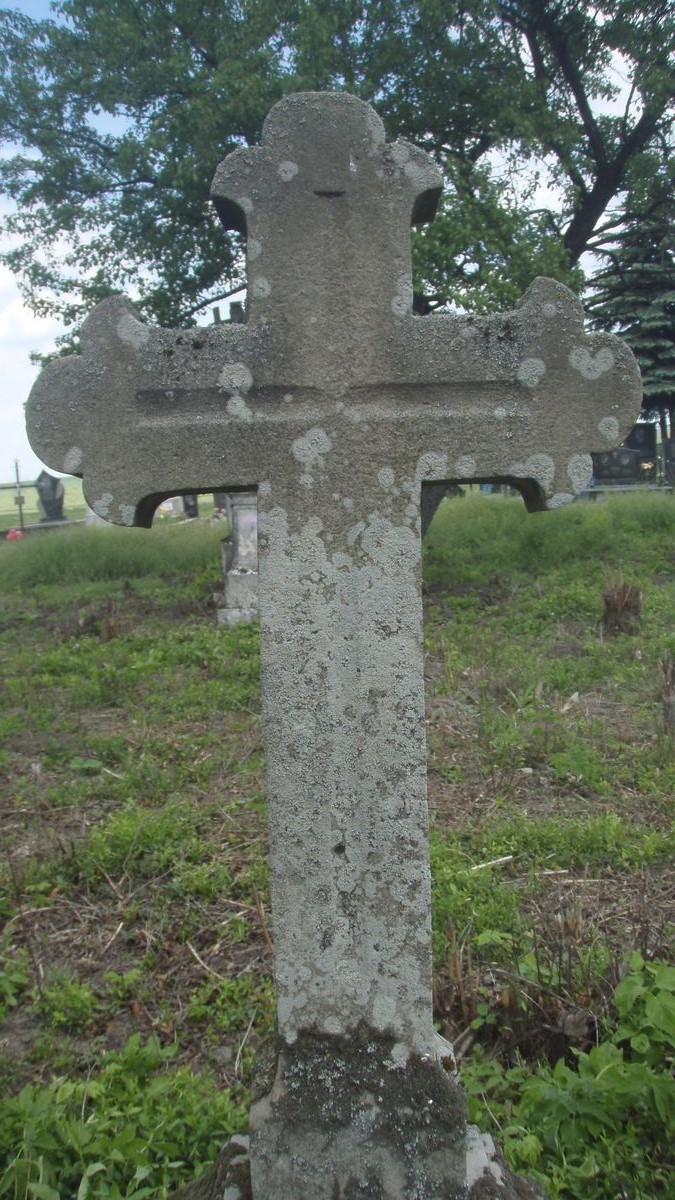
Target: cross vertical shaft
pixel 344 719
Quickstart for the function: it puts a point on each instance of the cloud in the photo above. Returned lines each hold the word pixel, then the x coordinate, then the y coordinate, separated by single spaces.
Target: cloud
pixel 20 333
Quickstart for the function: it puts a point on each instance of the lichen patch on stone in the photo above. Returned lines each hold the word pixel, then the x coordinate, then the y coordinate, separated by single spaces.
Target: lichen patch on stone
pixel 237 407
pixel 609 428
pixel 531 371
pixel 591 366
pixel 311 447
pixel 103 505
pixel 132 331
pixel 580 470
pixel 465 466
pixel 236 377
pixel 432 465
pixel 287 170
pixel 72 461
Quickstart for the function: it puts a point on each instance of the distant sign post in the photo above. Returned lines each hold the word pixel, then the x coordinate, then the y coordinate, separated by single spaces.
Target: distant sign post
pixel 19 498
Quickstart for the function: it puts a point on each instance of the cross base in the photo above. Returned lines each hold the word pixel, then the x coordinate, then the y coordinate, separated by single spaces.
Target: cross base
pixel 351 1119
pixel 357 1119
pixel 354 1119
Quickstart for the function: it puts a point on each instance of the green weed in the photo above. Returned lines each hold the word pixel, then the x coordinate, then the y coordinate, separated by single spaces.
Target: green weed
pixel 68 1003
pixel 141 842
pixel 603 1126
pixel 227 1004
pixel 123 1132
pixel 14 976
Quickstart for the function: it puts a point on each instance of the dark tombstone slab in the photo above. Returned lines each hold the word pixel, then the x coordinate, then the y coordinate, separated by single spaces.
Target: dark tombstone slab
pixel 50 497
pixel 633 462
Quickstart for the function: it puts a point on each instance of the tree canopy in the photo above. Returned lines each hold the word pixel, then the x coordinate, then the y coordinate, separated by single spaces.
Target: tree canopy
pixel 552 121
pixel 635 296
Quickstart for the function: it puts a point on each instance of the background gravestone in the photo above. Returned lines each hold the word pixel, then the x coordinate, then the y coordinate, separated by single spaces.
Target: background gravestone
pixel 50 497
pixel 239 551
pixel 337 405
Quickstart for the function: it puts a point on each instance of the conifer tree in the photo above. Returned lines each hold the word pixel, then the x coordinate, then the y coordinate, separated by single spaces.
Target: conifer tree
pixel 634 296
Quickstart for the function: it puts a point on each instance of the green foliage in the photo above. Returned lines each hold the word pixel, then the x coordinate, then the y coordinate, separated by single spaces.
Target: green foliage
pixel 603 1126
pixel 68 1003
pixel 142 841
pixel 117 114
pixel 228 1004
pixel 500 540
pixel 645 1003
pixel 125 986
pixel 466 897
pixel 71 556
pixel 456 257
pixel 122 1133
pixel 13 981
pixel 604 840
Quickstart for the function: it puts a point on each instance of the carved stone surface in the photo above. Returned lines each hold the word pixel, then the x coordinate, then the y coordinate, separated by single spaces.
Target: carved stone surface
pixel 336 404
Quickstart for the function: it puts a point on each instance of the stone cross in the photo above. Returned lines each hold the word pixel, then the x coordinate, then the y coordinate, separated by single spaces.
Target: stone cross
pixel 337 405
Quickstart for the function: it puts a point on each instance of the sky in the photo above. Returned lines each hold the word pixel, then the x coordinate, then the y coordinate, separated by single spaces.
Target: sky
pixel 20 332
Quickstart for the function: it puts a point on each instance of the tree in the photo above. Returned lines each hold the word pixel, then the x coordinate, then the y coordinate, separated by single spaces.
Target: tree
pixel 634 295
pixel 119 117
pixel 117 111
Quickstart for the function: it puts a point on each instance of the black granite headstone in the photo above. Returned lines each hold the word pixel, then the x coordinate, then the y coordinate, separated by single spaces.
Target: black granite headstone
pixel 50 497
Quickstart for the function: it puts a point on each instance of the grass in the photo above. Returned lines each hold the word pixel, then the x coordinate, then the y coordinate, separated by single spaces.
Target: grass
pixel 135 952
pixel 98 554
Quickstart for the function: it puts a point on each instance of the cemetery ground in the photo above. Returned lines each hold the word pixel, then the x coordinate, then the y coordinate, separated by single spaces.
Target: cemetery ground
pixel 136 944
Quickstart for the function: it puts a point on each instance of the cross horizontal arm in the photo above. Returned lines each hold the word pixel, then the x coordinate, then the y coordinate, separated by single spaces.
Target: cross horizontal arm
pixel 143 414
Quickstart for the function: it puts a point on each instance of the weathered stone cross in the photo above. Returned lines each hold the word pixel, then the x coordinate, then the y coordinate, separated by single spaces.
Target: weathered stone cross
pixel 337 404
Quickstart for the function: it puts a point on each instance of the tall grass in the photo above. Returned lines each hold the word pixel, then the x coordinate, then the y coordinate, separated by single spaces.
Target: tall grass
pixel 475 538
pixel 98 552
pixel 470 540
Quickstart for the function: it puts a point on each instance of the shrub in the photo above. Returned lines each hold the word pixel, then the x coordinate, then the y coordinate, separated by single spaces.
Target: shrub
pixel 123 1132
